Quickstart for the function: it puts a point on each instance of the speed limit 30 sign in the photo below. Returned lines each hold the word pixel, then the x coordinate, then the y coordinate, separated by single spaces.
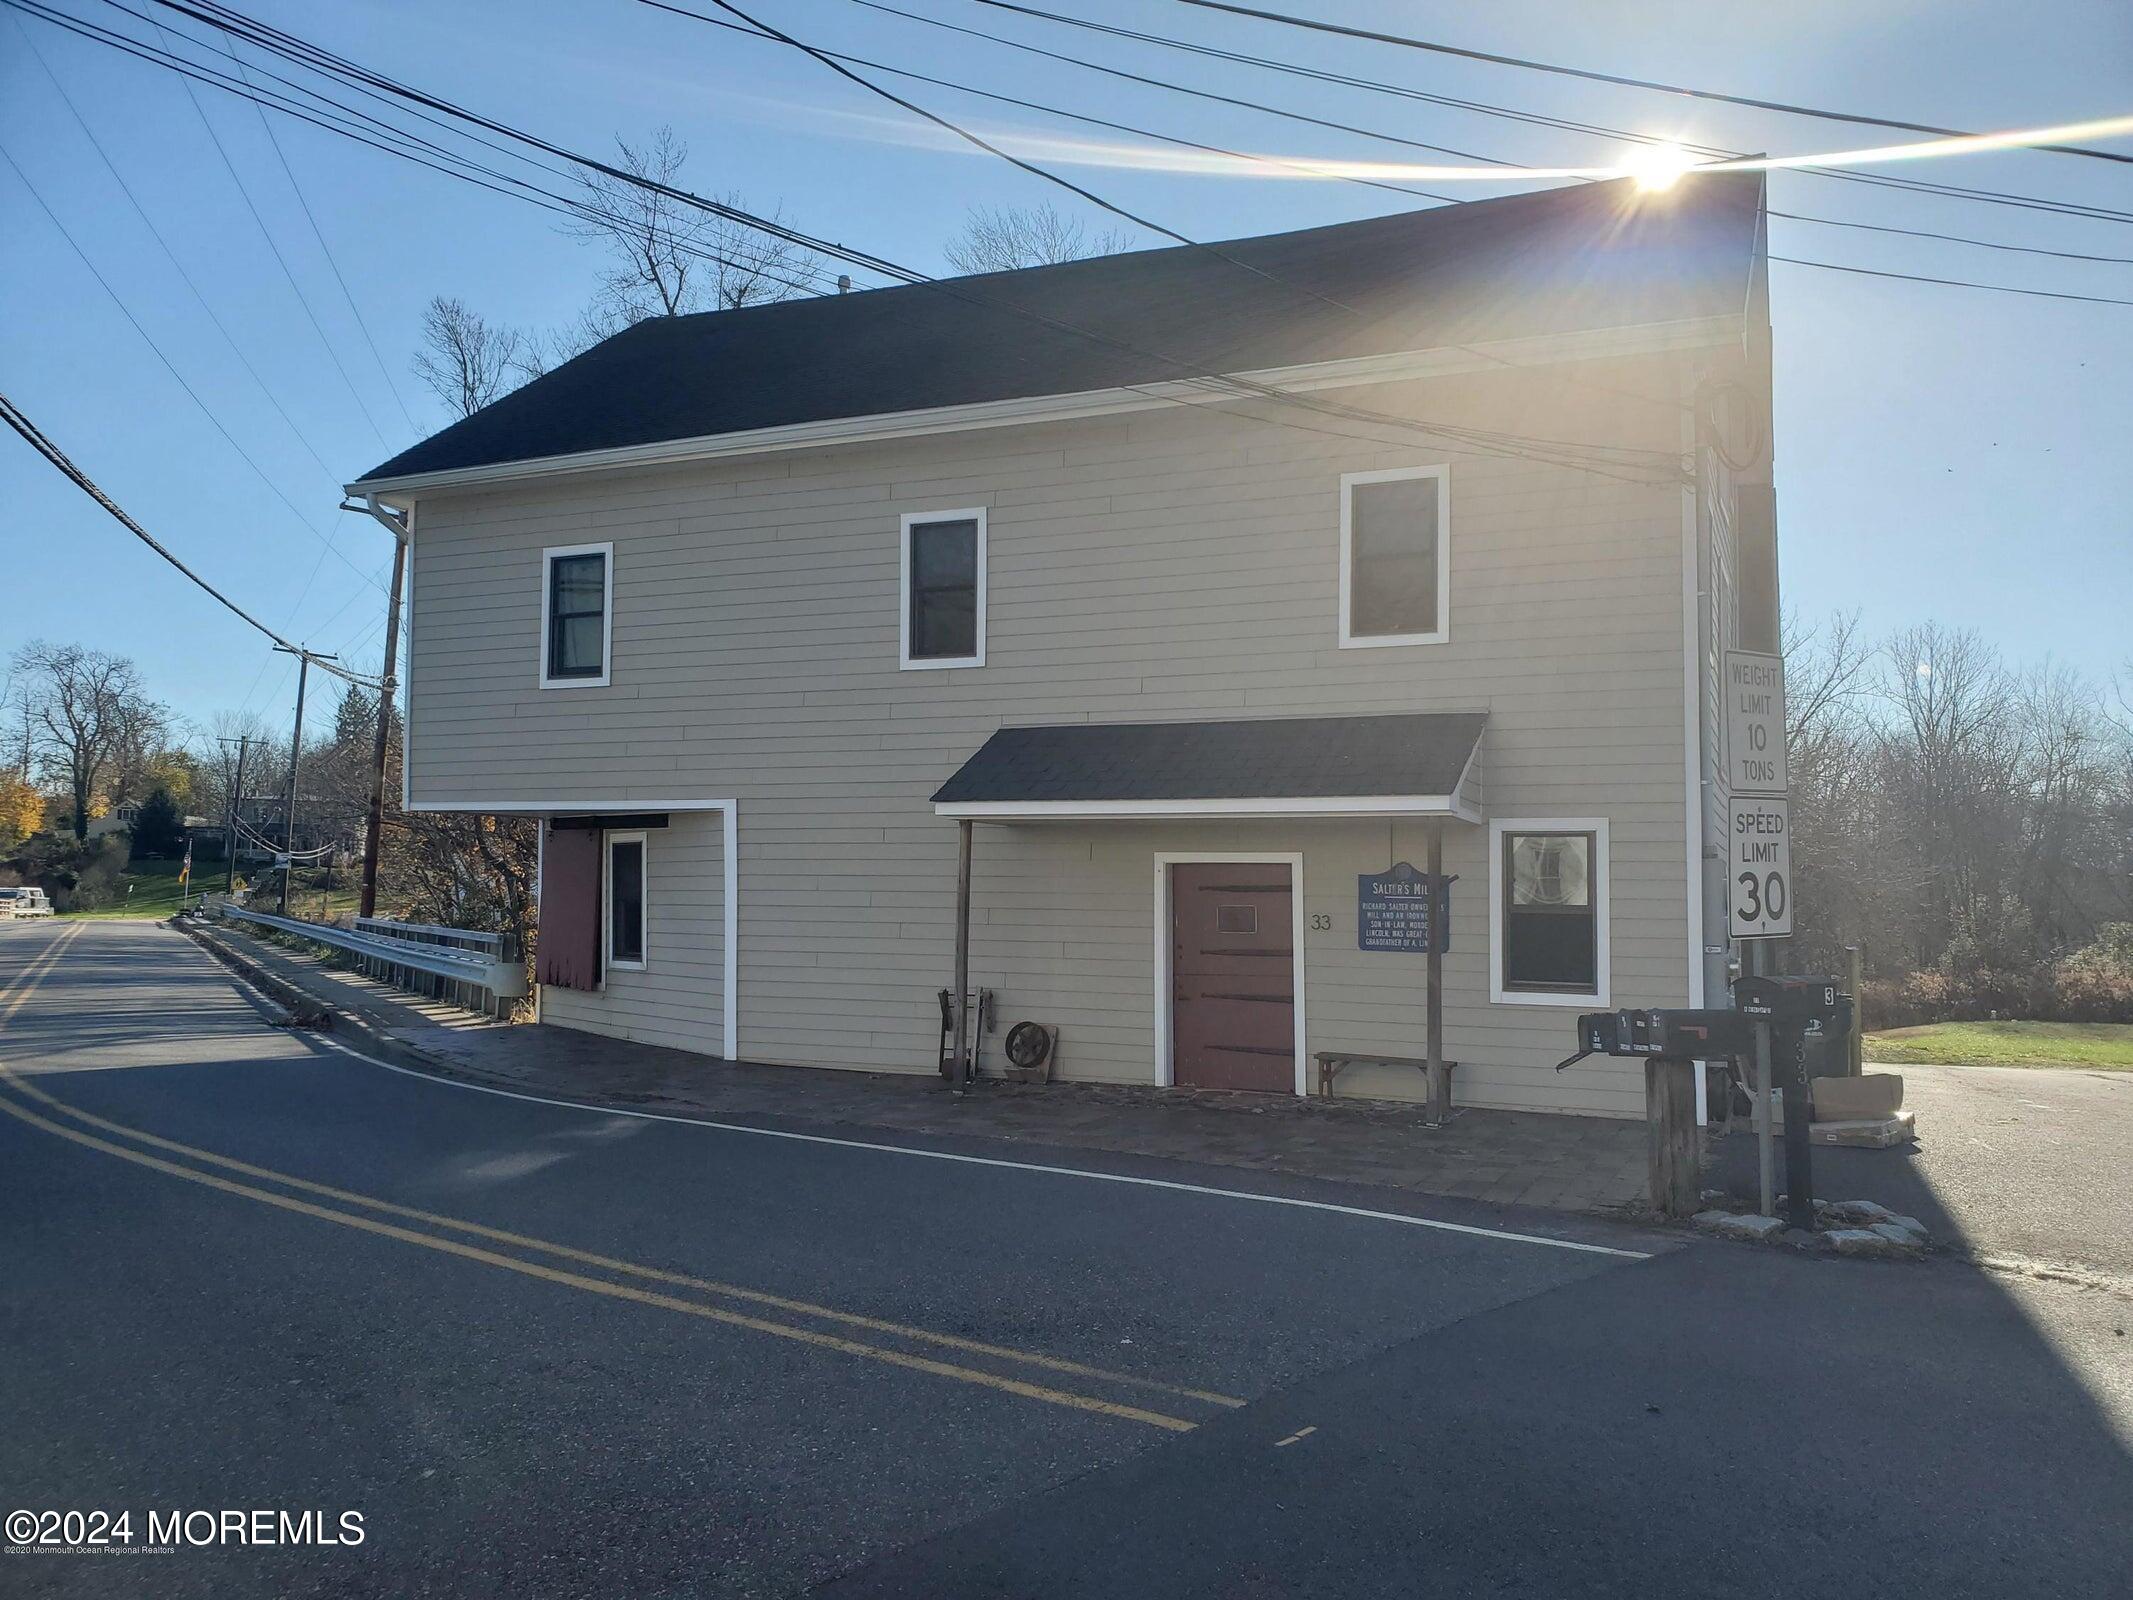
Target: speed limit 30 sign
pixel 1759 867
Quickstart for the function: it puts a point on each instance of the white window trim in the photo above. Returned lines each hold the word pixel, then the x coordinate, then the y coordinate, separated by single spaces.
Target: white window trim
pixel 607 612
pixel 1443 631
pixel 904 660
pixel 1597 827
pixel 1165 1064
pixel 608 962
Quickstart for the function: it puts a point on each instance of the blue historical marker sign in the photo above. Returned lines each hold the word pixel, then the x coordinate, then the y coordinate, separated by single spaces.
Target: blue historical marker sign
pixel 1394 909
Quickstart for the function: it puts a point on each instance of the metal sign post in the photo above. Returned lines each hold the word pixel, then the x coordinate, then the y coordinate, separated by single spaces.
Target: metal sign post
pixel 1765 1135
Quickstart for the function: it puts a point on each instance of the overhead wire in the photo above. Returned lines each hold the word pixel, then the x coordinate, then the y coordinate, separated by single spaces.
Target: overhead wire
pixel 1221 386
pixel 326 250
pixel 287 272
pixel 1305 166
pixel 35 437
pixel 156 233
pixel 1376 36
pixel 1480 107
pixel 171 367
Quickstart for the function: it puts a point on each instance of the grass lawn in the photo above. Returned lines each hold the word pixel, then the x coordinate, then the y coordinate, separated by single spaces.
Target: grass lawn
pixel 2105 1045
pixel 155 890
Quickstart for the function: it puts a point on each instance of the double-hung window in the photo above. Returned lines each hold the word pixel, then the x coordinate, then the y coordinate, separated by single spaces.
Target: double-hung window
pixel 577 615
pixel 943 621
pixel 1395 557
pixel 625 901
pixel 1548 916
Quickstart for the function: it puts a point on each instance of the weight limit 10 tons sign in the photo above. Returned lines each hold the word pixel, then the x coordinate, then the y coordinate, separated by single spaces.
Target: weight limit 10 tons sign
pixel 1759 819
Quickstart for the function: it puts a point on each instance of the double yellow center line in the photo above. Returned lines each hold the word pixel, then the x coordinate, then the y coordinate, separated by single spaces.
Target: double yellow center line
pixel 13 997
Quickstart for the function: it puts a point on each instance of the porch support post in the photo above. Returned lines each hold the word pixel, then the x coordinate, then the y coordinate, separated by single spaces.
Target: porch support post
pixel 960 1006
pixel 1439 1079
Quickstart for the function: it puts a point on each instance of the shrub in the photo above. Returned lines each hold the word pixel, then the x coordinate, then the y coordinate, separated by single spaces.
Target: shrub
pixel 2095 983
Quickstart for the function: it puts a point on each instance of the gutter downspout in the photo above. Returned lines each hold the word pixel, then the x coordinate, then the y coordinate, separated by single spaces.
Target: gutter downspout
pixel 395 523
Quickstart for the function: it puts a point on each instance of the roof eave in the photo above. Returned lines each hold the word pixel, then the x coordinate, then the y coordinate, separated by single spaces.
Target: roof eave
pixel 1440 361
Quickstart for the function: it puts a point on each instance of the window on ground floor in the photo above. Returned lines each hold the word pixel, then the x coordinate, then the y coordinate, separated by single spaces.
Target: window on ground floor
pixel 625 900
pixel 1548 915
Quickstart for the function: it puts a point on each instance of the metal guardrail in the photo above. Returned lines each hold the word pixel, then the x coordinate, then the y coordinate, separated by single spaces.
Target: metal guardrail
pixel 496 946
pixel 479 979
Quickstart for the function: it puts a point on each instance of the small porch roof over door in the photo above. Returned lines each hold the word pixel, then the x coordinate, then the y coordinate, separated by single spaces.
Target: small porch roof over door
pixel 1423 764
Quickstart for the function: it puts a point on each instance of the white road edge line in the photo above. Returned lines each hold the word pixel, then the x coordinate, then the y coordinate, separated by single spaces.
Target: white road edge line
pixel 1014 1166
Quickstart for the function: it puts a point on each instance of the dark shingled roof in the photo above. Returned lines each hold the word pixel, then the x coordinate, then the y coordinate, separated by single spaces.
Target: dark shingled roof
pixel 1264 758
pixel 1592 256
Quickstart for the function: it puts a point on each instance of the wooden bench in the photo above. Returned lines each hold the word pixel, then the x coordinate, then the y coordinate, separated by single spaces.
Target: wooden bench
pixel 1331 1063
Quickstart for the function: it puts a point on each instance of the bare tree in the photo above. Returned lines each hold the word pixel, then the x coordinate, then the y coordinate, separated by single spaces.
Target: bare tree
pixel 670 256
pixel 89 715
pixel 1002 238
pixel 468 361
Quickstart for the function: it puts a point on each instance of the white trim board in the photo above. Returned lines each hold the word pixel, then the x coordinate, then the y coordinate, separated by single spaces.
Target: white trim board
pixel 905 661
pixel 1165 1067
pixel 1350 482
pixel 1392 367
pixel 609 961
pixel 605 550
pixel 730 1022
pixel 1319 806
pixel 1603 912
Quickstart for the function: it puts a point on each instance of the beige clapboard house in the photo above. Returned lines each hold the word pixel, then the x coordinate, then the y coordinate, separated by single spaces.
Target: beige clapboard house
pixel 757 608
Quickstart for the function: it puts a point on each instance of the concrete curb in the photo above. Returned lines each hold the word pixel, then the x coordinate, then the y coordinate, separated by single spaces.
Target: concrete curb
pixel 299 1008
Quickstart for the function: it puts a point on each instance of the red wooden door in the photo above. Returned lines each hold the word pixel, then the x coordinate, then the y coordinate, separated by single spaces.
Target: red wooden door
pixel 1232 977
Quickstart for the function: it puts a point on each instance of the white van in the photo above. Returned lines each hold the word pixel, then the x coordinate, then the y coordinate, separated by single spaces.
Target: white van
pixel 27 901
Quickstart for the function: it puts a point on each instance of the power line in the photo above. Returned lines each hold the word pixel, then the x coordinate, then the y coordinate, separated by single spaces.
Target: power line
pixel 169 366
pixel 1214 250
pixel 1031 167
pixel 126 189
pixel 157 234
pixel 1372 35
pixel 13 416
pixel 1222 386
pixel 267 234
pixel 1302 167
pixel 1959 283
pixel 326 250
pixel 1369 133
pixel 1964 283
pixel 1481 107
pixel 358 126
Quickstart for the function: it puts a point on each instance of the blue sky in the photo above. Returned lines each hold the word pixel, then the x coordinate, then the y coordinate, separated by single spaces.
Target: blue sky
pixel 1942 454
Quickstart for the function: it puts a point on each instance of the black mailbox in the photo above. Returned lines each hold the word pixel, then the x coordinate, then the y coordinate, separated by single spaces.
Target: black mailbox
pixel 1778 997
pixel 1682 1035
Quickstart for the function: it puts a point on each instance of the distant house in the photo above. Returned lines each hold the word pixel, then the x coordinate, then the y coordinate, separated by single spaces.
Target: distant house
pixel 119 819
pixel 755 609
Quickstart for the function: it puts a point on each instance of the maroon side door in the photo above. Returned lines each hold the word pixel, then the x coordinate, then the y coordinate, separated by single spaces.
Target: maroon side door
pixel 1232 977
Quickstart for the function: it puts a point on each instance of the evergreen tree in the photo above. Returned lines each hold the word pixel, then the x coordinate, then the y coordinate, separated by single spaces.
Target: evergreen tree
pixel 159 831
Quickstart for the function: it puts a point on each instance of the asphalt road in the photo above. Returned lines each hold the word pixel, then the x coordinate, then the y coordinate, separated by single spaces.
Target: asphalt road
pixel 549 1351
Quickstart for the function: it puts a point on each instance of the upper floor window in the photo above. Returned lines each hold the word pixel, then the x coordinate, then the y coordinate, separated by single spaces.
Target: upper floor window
pixel 1395 557
pixel 577 614
pixel 943 622
pixel 1549 916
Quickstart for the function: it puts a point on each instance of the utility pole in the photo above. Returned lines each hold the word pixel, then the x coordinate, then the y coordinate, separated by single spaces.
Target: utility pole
pixel 230 805
pixel 304 658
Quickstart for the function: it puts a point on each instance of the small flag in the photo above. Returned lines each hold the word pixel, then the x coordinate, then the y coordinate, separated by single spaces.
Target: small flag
pixel 185 869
